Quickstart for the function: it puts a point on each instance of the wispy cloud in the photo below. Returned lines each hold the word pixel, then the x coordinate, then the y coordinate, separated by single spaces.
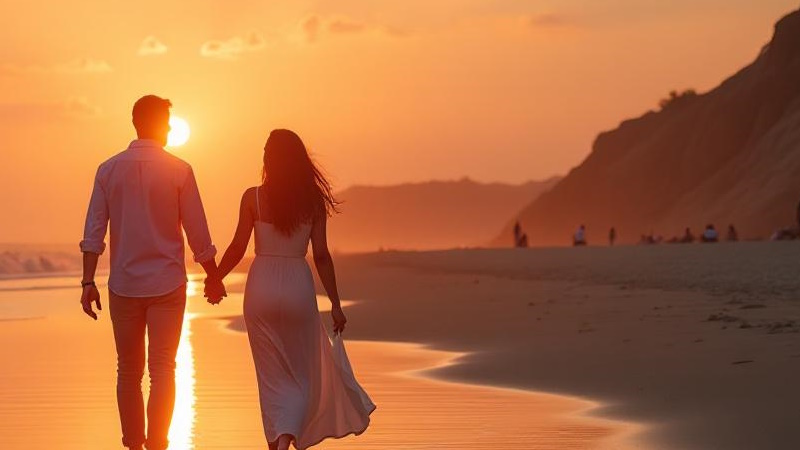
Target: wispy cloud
pixel 313 27
pixel 76 66
pixel 72 108
pixel 345 25
pixel 551 20
pixel 81 107
pixel 151 46
pixel 232 48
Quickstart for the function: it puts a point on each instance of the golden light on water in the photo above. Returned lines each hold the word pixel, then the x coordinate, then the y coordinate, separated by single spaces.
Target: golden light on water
pixel 179 132
pixel 181 432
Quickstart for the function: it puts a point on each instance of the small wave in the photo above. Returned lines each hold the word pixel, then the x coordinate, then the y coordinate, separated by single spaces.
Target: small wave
pixel 33 262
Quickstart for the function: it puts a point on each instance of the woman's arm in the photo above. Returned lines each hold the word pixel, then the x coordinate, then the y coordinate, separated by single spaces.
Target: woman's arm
pixel 237 248
pixel 327 274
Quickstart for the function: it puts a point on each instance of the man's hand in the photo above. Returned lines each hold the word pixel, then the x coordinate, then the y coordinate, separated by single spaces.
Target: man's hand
pixel 338 319
pixel 90 295
pixel 214 290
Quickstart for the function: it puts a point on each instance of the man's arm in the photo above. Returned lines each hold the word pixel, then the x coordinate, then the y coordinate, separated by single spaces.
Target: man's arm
pixel 90 293
pixel 193 219
pixel 92 246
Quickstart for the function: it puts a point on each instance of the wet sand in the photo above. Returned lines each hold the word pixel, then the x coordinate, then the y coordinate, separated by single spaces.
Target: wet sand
pixel 57 388
pixel 698 342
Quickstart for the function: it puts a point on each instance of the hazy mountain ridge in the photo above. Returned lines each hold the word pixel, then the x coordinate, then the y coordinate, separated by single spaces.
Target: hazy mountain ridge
pixel 429 215
pixel 731 155
pixel 21 259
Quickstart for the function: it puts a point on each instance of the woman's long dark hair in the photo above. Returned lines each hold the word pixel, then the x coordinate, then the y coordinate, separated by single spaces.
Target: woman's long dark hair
pixel 296 189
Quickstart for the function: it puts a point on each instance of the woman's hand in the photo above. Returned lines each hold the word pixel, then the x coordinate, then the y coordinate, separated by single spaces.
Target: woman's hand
pixel 339 319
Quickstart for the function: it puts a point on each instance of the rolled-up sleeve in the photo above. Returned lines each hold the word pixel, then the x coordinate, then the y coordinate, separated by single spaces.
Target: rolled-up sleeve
pixel 94 231
pixel 193 218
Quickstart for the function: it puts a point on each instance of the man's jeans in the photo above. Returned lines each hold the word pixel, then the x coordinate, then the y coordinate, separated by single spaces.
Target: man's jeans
pixel 162 318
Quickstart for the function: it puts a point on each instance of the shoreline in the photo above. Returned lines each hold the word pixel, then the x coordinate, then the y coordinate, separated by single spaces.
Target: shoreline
pixel 681 338
pixel 543 420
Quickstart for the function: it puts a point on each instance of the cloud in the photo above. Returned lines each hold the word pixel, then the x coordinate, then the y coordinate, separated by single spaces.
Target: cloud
pixel 313 27
pixel 152 46
pixel 344 25
pixel 551 20
pixel 76 66
pixel 233 47
pixel 84 65
pixel 81 107
pixel 71 108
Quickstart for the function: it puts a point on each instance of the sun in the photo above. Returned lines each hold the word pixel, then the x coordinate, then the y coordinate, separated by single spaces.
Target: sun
pixel 178 133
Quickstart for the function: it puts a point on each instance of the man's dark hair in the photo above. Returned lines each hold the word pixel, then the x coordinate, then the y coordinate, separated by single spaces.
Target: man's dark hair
pixel 149 112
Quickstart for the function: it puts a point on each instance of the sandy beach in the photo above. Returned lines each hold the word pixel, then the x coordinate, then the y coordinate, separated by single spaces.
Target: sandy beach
pixel 699 343
pixel 662 347
pixel 57 387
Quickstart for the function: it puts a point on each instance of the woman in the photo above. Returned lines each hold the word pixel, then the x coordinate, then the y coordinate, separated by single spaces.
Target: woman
pixel 305 397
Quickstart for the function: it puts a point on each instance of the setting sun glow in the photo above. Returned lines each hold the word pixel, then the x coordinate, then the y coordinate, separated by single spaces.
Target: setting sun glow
pixel 178 133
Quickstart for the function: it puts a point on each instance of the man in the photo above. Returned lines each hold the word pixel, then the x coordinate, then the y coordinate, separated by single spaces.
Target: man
pixel 147 195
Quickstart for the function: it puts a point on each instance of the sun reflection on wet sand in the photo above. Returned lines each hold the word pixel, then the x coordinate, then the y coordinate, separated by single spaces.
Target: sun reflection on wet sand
pixel 181 432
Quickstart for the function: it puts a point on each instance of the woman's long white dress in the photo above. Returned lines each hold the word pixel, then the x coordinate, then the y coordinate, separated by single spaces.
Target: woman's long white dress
pixel 303 390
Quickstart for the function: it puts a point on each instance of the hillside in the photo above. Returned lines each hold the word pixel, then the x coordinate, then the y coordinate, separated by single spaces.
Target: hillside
pixel 431 215
pixel 731 155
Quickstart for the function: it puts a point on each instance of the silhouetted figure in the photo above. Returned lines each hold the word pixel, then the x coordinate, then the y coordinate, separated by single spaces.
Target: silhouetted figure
pixel 306 386
pixel 148 198
pixel 688 237
pixel 520 238
pixel 798 216
pixel 579 239
pixel 788 233
pixel 710 234
pixel 612 236
pixel 733 235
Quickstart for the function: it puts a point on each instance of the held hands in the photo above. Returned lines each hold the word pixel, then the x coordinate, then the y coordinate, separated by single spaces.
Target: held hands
pixel 214 290
pixel 90 295
pixel 339 319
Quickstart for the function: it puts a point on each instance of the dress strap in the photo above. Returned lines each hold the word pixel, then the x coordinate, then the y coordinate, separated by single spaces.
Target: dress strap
pixel 258 203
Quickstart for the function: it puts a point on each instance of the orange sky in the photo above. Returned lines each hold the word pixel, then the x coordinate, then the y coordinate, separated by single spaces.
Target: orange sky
pixel 382 92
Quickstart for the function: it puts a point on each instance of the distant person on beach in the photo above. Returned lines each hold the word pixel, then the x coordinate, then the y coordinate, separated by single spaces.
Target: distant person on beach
pixel 710 234
pixel 148 197
pixel 520 238
pixel 579 238
pixel 788 233
pixel 688 237
pixel 306 388
pixel 732 235
pixel 612 236
pixel 649 239
pixel 798 219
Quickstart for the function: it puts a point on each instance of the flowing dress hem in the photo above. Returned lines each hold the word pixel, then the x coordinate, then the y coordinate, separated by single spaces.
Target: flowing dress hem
pixel 332 436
